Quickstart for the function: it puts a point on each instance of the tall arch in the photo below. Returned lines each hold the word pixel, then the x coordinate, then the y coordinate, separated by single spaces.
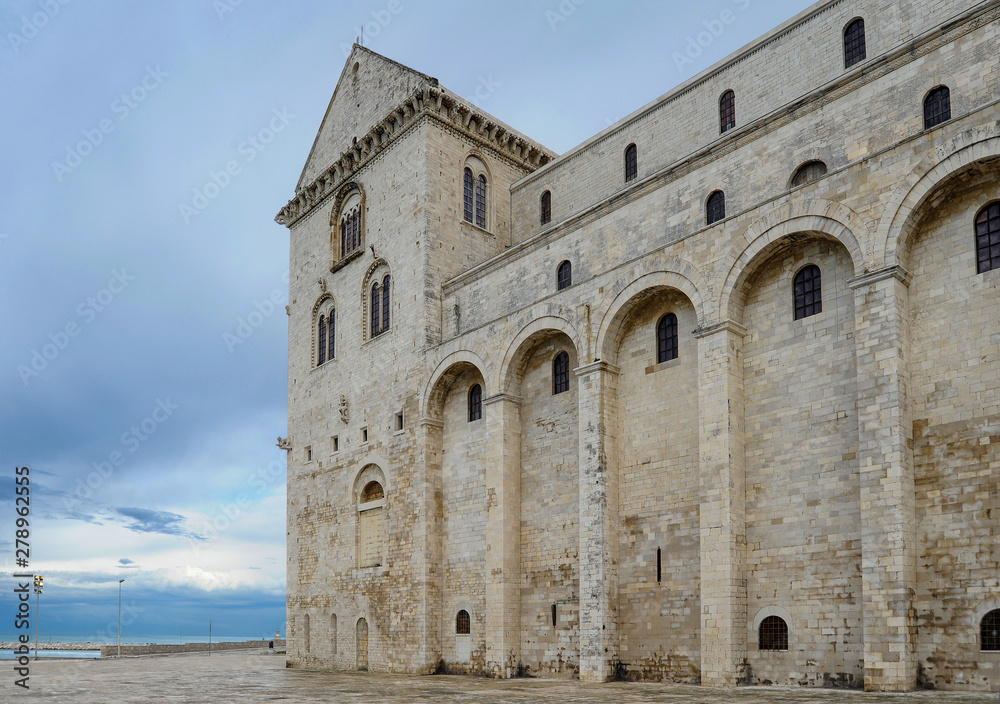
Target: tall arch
pixel 901 216
pixel 444 374
pixel 525 341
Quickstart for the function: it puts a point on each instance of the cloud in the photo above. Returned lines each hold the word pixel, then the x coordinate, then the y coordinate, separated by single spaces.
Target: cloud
pixel 146 520
pixel 125 561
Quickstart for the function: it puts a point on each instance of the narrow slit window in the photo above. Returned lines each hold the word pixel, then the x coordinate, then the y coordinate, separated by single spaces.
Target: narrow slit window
pixel 386 288
pixel 988 238
pixel 667 347
pixel 716 207
pixel 560 373
pixel 546 207
pixel 727 111
pixel 331 331
pixel 468 195
pixel 564 275
pixel 937 107
pixel 854 43
pixel 659 566
pixel 773 634
pixel 376 298
pixel 481 202
pixel 808 290
pixel 553 615
pixel 322 340
pixel 475 403
pixel 631 163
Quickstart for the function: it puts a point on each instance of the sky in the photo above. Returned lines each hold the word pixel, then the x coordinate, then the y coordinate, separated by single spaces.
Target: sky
pixel 146 148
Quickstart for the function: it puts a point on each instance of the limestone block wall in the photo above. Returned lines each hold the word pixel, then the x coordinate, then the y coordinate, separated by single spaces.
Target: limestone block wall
pixel 659 494
pixel 802 504
pixel 955 369
pixel 549 516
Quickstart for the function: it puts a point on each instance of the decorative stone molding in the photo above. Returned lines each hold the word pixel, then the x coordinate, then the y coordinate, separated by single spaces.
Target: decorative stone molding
pixel 728 325
pixel 890 272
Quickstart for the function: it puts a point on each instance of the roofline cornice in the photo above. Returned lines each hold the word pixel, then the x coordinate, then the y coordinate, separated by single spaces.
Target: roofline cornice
pixel 430 100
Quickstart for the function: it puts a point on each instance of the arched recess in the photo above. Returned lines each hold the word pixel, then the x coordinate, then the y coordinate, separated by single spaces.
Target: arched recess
pixel 902 214
pixel 787 225
pixel 444 375
pixel 354 194
pixel 375 273
pixel 525 342
pixel 325 303
pixel 636 295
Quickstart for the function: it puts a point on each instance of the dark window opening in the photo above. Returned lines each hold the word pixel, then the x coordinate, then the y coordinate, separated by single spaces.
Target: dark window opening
pixel 463 624
pixel 716 207
pixel 773 634
pixel 659 565
pixel 468 195
pixel 350 231
pixel 631 163
pixel 331 329
pixel 727 111
pixel 475 403
pixel 322 340
pixel 560 373
pixel 937 107
pixel 808 172
pixel 854 43
pixel 667 347
pixel 481 202
pixel 546 207
pixel 553 614
pixel 376 298
pixel 564 275
pixel 386 288
pixel 808 292
pixel 989 631
pixel 988 238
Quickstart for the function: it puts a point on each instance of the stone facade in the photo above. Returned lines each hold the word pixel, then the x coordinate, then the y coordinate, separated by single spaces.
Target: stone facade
pixel 837 472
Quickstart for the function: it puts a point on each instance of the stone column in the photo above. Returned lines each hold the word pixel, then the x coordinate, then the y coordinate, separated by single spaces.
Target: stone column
pixel 599 521
pixel 723 504
pixel 503 536
pixel 427 539
pixel 885 457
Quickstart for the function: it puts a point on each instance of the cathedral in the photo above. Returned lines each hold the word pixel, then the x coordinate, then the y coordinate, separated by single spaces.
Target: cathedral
pixel 710 398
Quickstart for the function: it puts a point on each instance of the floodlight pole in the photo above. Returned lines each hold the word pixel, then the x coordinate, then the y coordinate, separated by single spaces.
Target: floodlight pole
pixel 36 622
pixel 120 617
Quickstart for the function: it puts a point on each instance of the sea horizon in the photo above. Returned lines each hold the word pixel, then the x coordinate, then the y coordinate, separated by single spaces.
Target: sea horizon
pixel 144 639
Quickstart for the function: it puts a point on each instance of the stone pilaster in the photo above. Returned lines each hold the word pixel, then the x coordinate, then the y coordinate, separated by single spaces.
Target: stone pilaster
pixel 885 457
pixel 427 535
pixel 723 505
pixel 503 531
pixel 599 521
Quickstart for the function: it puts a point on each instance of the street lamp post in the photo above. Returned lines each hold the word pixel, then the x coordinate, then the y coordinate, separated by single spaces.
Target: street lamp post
pixel 39 583
pixel 120 617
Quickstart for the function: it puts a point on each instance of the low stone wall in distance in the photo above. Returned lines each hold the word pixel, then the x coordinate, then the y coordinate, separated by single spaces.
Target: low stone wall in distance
pixel 110 651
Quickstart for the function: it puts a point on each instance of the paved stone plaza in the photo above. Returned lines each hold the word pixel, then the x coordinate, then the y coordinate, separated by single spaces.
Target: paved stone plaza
pixel 254 678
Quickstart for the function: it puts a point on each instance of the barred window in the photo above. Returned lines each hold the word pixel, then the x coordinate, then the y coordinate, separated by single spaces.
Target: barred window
pixel 988 238
pixel 376 298
pixel 386 288
pixel 475 403
pixel 546 207
pixel 727 111
pixel 808 291
pixel 773 634
pixel 937 107
pixel 560 373
pixel 481 202
pixel 331 330
pixel 854 43
pixel 716 207
pixel 631 162
pixel 564 275
pixel 468 197
pixel 463 624
pixel 322 340
pixel 666 339
pixel 808 172
pixel 989 631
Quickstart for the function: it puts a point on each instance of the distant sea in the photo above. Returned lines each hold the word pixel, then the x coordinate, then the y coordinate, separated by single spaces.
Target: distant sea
pixel 7 654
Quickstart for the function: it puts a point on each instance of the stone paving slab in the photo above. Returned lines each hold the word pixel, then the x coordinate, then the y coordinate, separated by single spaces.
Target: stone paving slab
pixel 259 678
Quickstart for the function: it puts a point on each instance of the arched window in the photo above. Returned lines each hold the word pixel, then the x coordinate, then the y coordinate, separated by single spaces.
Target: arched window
pixel 331 332
pixel 564 275
pixel 937 107
pixel 631 163
pixel 475 403
pixel 322 340
pixel 463 624
pixel 386 288
pixel 546 207
pixel 371 525
pixel 666 339
pixel 988 238
pixel 773 634
pixel 716 207
pixel 350 223
pixel 481 201
pixel 854 43
pixel 468 198
pixel 333 634
pixel 376 298
pixel 989 631
pixel 808 172
pixel 808 291
pixel 373 491
pixel 727 111
pixel 560 373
